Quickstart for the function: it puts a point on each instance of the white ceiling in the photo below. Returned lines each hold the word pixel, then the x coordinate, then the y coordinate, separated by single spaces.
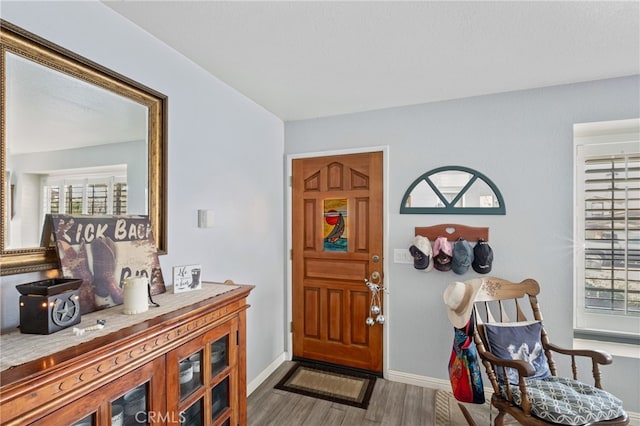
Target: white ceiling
pixel 303 59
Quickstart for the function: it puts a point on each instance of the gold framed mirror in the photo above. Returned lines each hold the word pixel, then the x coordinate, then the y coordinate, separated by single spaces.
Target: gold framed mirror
pixel 69 123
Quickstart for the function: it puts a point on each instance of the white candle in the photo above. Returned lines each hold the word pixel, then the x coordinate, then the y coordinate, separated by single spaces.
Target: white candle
pixel 135 295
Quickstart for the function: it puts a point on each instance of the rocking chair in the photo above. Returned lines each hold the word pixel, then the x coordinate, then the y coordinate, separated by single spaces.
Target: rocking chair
pixel 525 384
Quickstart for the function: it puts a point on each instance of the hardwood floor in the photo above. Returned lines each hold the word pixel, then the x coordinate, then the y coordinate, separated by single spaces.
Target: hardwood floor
pixel 392 403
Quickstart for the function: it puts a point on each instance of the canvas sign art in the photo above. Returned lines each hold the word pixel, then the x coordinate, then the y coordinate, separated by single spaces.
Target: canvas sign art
pixel 186 278
pixel 103 251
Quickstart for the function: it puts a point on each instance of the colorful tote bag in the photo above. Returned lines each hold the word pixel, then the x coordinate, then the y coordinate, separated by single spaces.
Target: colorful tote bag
pixel 464 366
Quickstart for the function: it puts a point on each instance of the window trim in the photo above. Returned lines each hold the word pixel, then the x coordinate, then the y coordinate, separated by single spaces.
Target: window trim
pixel 450 206
pixel 592 139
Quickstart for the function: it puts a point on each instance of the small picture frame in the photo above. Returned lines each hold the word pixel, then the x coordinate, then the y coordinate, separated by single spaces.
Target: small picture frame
pixel 186 278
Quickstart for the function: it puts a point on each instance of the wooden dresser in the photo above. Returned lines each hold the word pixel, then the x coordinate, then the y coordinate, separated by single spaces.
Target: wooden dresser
pixel 181 363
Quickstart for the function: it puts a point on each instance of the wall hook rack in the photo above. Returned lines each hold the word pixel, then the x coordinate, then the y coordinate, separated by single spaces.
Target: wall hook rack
pixel 453 231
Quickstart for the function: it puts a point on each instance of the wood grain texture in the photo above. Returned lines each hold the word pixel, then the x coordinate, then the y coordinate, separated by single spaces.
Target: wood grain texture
pixel 392 404
pixel 502 301
pixel 453 231
pixel 35 392
pixel 329 297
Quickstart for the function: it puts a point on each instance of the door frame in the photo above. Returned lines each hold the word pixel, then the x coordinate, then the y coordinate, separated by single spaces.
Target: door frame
pixel 385 235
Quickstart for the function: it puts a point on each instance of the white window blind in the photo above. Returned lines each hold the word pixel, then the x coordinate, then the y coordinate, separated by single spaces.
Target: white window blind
pixel 607 235
pixel 73 198
pixel 612 225
pixel 119 198
pixel 100 193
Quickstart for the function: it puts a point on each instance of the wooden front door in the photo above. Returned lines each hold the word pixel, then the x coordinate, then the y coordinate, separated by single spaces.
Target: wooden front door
pixel 337 243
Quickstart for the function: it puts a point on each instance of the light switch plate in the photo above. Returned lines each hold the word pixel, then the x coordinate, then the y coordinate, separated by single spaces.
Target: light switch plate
pixel 205 218
pixel 402 256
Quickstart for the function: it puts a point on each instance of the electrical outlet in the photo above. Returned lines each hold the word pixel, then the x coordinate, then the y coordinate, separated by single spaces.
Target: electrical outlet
pixel 402 256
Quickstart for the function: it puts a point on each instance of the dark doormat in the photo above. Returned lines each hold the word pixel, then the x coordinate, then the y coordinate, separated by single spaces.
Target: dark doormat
pixel 330 383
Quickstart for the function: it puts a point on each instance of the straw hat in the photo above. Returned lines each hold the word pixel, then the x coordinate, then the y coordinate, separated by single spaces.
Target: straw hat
pixel 459 299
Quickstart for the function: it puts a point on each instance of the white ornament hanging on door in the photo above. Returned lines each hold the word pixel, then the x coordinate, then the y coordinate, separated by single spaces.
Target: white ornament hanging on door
pixel 375 307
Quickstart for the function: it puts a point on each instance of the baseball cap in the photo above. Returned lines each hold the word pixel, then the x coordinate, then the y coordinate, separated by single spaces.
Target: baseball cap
pixel 421 252
pixel 482 257
pixel 442 254
pixel 462 256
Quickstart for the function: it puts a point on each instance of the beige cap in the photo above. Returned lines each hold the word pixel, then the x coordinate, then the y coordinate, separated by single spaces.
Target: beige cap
pixel 459 297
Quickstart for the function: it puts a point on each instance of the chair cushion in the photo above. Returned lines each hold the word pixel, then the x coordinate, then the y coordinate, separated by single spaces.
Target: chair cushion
pixel 518 340
pixel 567 401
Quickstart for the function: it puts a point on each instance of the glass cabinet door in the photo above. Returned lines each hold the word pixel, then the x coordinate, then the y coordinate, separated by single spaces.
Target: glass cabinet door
pixel 219 358
pixel 193 415
pixel 131 408
pixel 222 382
pixel 190 374
pixel 135 398
pixel 201 377
pixel 220 398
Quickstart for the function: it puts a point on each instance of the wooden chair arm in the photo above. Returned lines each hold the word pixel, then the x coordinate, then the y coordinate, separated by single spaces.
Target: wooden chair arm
pixel 524 368
pixel 600 357
pixel 597 358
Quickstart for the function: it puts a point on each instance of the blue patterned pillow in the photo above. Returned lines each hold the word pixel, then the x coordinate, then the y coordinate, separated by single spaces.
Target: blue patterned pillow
pixel 520 340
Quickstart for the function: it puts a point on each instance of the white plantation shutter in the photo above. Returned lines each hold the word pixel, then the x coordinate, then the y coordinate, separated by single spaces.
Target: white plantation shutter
pixel 93 195
pixel 97 198
pixel 119 198
pixel 607 236
pixel 612 233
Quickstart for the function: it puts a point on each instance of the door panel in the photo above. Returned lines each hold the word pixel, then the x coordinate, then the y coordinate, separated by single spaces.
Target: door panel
pixel 337 269
pixel 333 250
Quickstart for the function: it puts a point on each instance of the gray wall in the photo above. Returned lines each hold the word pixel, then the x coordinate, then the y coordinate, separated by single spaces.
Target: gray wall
pixel 523 142
pixel 212 129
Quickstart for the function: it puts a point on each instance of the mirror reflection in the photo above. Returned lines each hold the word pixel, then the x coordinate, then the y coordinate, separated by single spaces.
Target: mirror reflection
pixel 453 190
pixel 76 138
pixel 71 147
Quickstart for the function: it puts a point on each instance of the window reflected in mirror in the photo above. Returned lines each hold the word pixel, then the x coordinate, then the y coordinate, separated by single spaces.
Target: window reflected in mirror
pixel 86 191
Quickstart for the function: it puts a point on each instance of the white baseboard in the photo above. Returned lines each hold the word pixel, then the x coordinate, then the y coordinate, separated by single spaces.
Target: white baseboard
pixel 414 379
pixel 400 377
pixel 634 418
pixel 253 385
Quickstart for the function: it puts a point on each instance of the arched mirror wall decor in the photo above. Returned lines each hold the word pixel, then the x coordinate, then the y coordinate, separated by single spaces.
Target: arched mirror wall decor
pixel 76 138
pixel 453 190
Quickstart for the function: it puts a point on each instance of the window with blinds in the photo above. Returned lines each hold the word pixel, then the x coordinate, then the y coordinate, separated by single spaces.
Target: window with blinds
pixel 120 198
pixel 52 198
pixel 607 234
pixel 73 198
pixel 97 198
pixel 93 195
pixel 612 233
